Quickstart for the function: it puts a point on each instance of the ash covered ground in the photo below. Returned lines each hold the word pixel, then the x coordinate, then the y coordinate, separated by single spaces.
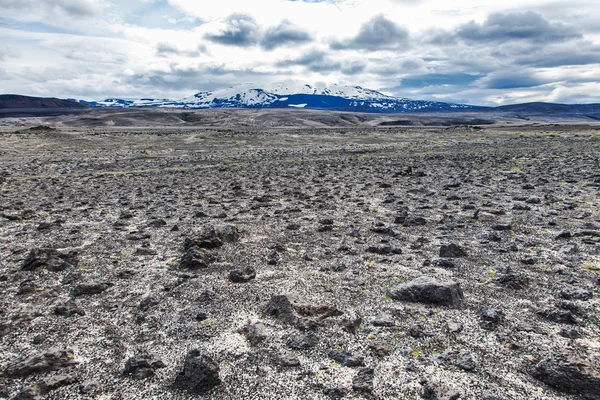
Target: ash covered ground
pixel 387 263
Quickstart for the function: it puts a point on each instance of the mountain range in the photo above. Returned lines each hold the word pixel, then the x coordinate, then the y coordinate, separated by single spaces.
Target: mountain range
pixel 297 95
pixel 289 95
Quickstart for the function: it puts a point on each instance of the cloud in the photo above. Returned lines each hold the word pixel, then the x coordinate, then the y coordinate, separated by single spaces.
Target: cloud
pixel 240 30
pixel 516 26
pixel 73 8
pixel 284 34
pixel 379 33
pixel 354 67
pixel 313 60
pixel 511 80
pixel 425 80
pixel 166 49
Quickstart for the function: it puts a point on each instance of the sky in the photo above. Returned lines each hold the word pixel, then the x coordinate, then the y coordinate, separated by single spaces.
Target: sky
pixel 490 52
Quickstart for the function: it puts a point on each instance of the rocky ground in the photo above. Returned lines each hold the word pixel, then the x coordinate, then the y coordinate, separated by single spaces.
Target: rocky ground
pixel 389 263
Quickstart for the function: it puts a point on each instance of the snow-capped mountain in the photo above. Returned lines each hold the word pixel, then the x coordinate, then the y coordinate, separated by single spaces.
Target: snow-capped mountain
pixel 292 95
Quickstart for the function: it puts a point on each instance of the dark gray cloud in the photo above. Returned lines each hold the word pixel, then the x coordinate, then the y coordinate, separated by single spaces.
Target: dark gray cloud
pixel 516 26
pixel 511 80
pixel 563 54
pixel 241 30
pixel 284 34
pixel 313 60
pixel 379 33
pixel 320 61
pixel 354 67
pixel 74 8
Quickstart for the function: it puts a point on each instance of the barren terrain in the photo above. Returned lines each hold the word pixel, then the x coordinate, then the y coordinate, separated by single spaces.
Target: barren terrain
pixel 300 262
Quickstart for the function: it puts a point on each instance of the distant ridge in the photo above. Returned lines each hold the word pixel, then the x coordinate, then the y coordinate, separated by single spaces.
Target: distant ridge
pixel 331 97
pixel 25 102
pixel 541 107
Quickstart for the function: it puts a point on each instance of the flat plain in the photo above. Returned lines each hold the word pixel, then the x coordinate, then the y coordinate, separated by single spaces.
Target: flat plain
pixel 308 262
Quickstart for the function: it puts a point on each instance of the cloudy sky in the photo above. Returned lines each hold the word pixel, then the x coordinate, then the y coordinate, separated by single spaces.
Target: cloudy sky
pixel 470 51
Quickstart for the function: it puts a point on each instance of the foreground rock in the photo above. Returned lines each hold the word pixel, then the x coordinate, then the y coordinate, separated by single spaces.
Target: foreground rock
pixel 50 259
pixel 429 290
pixel 50 360
pixel 568 375
pixel 196 258
pixel 200 373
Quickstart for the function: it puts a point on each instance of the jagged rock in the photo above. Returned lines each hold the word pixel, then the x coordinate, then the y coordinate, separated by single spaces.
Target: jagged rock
pixel 142 366
pixel 383 250
pixel 429 290
pixel 206 238
pixel 575 294
pixel 302 341
pixel 452 251
pixel 346 359
pixel 200 373
pixel 50 360
pixel 69 309
pixel 568 375
pixel 50 259
pixel 90 288
pixel 560 316
pixel 196 258
pixel 491 317
pixel 461 359
pixel 280 307
pixel 227 233
pixel 242 275
pixel 363 380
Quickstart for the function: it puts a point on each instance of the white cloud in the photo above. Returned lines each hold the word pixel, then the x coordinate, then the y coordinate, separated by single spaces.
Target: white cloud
pixel 96 48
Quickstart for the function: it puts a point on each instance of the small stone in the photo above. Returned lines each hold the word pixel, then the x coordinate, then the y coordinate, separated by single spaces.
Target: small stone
pixel 346 359
pixel 351 324
pixel 256 333
pixel 90 288
pixel 286 360
pixel 455 327
pixel 452 251
pixel 386 320
pixel 69 309
pixel 142 366
pixel 242 275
